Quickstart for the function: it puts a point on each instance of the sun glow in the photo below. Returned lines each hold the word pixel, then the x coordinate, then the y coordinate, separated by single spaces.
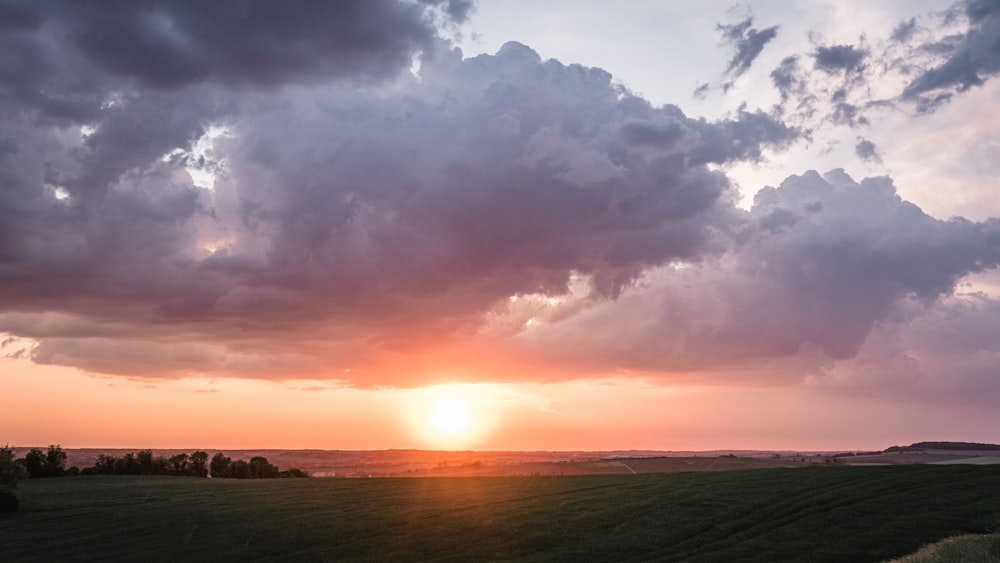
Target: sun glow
pixel 449 416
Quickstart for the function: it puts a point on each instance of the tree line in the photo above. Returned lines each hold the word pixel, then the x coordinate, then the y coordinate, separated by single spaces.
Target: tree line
pixel 196 464
pixel 144 462
pixel 52 463
pixel 257 468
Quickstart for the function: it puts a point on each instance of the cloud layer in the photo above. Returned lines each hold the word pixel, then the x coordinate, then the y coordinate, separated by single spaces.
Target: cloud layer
pixel 815 266
pixel 495 217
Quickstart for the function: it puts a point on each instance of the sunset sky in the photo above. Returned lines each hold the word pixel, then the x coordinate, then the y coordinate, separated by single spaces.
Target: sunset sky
pixel 566 225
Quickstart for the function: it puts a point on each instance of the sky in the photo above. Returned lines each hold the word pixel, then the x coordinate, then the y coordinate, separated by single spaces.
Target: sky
pixel 500 225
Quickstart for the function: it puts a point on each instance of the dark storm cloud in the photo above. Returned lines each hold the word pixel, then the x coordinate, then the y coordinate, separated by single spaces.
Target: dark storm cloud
pixel 786 78
pixel 937 56
pixel 143 75
pixel 848 114
pixel 904 31
pixel 970 58
pixel 845 83
pixel 865 150
pixel 836 59
pixel 360 218
pixel 253 42
pixel 933 59
pixel 742 138
pixel 819 264
pixel 98 213
pixel 834 90
pixel 748 41
pixel 854 252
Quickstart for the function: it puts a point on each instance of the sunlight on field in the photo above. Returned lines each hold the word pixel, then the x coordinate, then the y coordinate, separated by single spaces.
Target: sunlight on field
pixel 956 549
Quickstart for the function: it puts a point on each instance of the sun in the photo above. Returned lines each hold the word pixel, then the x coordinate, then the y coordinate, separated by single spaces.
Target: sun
pixel 450 417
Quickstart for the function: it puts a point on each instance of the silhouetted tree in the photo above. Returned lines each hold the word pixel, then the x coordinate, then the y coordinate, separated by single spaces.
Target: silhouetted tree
pixel 198 465
pixel 144 462
pixel 148 464
pixel 239 469
pixel 105 464
pixel 36 464
pixel 179 464
pixel 261 469
pixel 11 471
pixel 126 465
pixel 55 461
pixel 221 465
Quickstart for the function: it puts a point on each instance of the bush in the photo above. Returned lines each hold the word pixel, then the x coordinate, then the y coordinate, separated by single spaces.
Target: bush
pixel 11 471
pixel 221 465
pixel 46 464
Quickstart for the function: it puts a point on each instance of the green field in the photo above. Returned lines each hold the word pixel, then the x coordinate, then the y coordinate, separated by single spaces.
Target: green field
pixel 808 514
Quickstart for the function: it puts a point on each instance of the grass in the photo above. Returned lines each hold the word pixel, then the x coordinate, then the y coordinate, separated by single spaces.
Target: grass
pixel 981 548
pixel 807 514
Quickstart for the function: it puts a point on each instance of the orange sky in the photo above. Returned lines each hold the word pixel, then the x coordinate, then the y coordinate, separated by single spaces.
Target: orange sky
pixel 61 405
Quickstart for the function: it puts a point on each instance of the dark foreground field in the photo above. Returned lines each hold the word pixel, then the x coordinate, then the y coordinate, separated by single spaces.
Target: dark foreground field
pixel 808 514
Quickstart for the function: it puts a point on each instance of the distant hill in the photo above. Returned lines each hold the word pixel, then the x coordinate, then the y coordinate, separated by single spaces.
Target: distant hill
pixel 962 446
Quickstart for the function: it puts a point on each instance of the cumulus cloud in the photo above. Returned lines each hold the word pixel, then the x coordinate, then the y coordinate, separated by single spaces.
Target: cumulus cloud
pixel 501 216
pixel 350 222
pixel 819 264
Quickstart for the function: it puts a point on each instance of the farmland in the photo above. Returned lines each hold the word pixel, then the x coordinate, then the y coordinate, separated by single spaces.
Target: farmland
pixel 814 513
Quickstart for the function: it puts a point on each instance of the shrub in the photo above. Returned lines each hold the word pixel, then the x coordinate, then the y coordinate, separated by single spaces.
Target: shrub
pixel 11 471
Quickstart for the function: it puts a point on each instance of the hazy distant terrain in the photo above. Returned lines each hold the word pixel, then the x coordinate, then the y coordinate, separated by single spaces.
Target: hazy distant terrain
pixel 928 452
pixel 412 463
pixel 426 463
